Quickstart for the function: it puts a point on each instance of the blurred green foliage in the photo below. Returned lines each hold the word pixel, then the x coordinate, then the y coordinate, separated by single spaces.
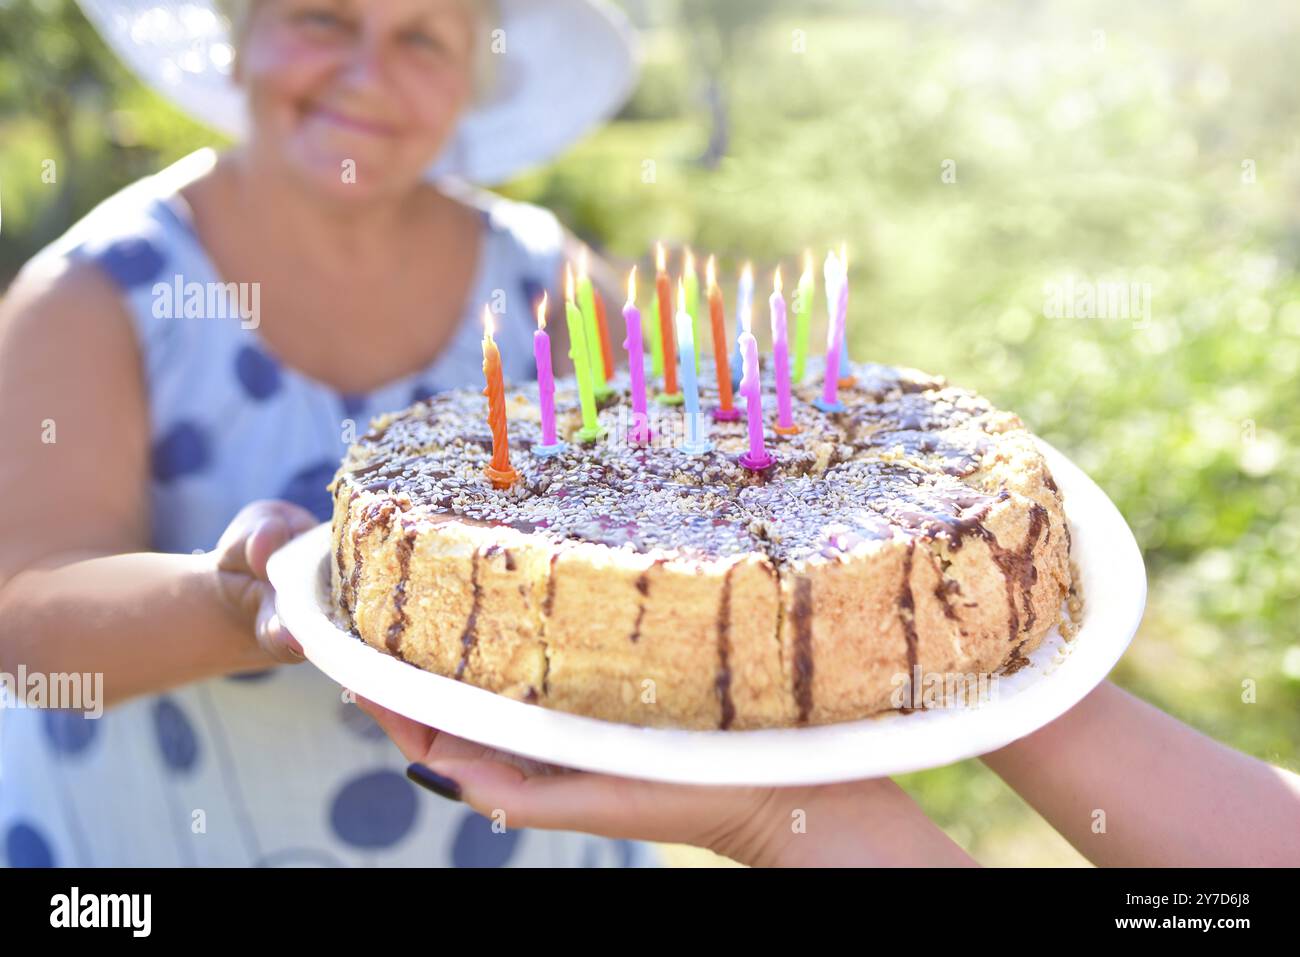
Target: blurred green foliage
pixel 1103 141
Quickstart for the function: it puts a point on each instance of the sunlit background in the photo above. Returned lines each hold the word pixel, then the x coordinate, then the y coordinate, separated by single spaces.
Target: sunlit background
pixel 970 154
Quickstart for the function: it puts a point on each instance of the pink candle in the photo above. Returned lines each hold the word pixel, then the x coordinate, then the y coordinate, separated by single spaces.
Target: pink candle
pixel 756 458
pixel 838 288
pixel 545 384
pixel 781 358
pixel 636 363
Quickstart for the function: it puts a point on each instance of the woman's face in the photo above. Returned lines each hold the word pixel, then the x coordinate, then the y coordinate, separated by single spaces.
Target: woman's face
pixel 379 83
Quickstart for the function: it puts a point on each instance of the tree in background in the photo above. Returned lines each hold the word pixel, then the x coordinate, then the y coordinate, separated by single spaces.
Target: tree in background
pixel 53 69
pixel 716 30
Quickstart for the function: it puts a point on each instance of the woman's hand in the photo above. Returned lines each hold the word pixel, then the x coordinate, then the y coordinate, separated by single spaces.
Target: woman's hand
pixel 857 823
pixel 239 570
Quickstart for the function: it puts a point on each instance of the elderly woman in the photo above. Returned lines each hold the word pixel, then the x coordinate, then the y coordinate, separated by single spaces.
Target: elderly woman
pixel 160 445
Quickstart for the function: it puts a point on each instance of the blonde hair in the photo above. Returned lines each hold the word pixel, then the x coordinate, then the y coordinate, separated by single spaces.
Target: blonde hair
pixel 486 15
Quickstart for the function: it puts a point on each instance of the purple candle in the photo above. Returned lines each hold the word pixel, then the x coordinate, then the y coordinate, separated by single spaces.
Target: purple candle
pixel 781 358
pixel 545 384
pixel 635 347
pixel 837 304
pixel 756 458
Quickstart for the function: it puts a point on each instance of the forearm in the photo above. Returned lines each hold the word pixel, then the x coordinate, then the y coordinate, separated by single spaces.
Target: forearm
pixel 1128 785
pixel 146 621
pixel 859 824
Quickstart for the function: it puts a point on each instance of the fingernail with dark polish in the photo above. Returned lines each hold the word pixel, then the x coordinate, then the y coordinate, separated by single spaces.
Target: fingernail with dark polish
pixel 439 784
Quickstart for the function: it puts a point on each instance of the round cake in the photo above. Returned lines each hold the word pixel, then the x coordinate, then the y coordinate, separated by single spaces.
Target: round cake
pixel 917 533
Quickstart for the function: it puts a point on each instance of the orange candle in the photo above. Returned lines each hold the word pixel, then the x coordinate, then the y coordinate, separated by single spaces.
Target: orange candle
pixel 726 410
pixel 498 470
pixel 606 350
pixel 667 337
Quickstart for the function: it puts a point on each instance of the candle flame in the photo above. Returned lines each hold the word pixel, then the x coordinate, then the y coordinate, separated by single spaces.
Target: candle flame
pixel 487 321
pixel 568 281
pixel 582 262
pixel 660 260
pixel 832 269
pixel 681 294
pixel 776 280
pixel 631 286
pixel 541 312
pixel 747 274
pixel 684 339
pixel 710 273
pixel 807 266
pixel 689 258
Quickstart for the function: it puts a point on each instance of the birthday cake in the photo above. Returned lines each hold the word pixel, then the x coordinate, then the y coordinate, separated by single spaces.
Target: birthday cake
pixel 917 532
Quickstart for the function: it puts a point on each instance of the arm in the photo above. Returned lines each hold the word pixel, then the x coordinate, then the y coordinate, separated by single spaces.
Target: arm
pixel 861 823
pixel 79 590
pixel 1171 796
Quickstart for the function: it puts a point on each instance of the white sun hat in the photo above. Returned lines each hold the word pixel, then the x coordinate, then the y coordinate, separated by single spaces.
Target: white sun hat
pixel 563 67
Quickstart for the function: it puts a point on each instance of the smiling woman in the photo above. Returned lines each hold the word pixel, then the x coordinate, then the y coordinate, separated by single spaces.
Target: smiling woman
pixel 342 88
pixel 434 31
pixel 346 209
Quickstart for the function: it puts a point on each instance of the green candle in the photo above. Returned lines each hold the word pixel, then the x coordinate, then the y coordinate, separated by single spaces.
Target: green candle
pixel 656 345
pixel 580 354
pixel 803 316
pixel 692 286
pixel 587 303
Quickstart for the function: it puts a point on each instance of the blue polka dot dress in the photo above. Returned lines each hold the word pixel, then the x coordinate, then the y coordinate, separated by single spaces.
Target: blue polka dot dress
pixel 272 768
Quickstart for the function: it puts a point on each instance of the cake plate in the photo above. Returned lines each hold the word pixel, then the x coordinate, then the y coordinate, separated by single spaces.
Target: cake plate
pixel 1112 584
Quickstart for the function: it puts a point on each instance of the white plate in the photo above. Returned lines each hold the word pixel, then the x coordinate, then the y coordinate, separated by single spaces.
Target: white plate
pixel 1058 676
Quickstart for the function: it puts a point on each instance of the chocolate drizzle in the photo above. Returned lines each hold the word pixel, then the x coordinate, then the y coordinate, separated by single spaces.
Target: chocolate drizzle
pixel 1015 661
pixel 1018 569
pixel 549 603
pixel 373 514
pixel 801 614
pixel 944 591
pixel 907 618
pixel 643 586
pixel 393 640
pixel 723 680
pixel 469 636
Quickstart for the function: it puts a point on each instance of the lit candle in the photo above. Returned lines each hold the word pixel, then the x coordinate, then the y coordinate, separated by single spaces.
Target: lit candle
pixel 606 347
pixel 634 345
pixel 545 385
pixel 803 300
pixel 656 343
pixel 848 379
pixel 671 394
pixel 757 457
pixel 836 303
pixel 695 443
pixel 781 359
pixel 692 285
pixel 744 307
pixel 587 303
pixel 578 352
pixel 726 410
pixel 498 470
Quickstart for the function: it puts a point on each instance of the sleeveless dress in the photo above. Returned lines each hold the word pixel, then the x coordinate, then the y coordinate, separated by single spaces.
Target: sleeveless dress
pixel 272 768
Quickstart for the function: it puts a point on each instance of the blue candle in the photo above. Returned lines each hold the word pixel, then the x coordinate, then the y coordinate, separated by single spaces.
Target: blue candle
pixel 695 443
